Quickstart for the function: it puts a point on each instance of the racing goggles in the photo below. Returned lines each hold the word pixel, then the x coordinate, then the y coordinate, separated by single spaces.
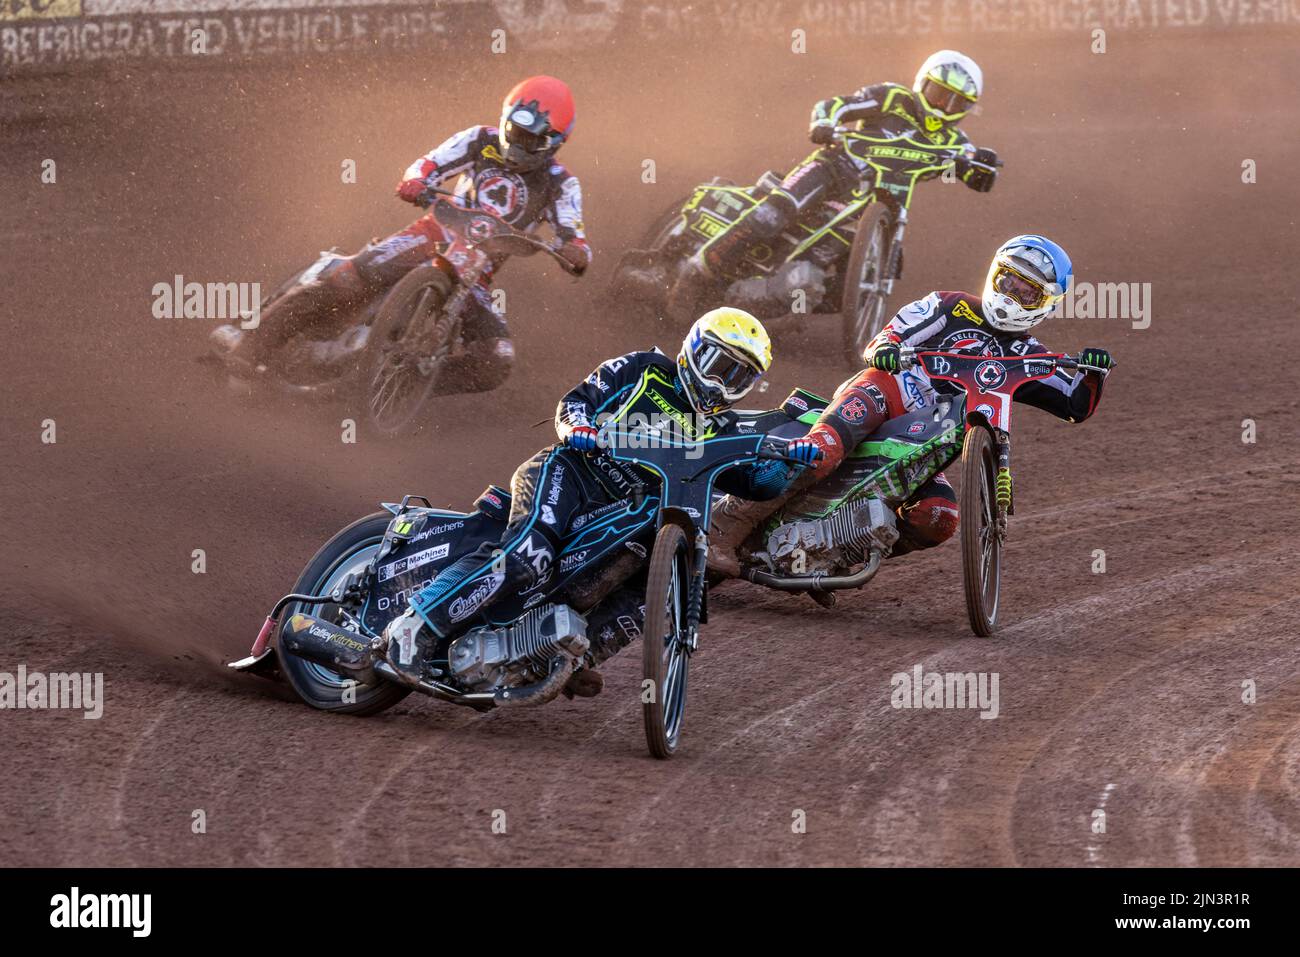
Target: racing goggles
pixel 733 375
pixel 1029 293
pixel 529 141
pixel 944 100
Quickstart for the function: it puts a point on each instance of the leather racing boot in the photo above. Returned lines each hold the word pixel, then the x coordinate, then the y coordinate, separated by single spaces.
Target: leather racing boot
pixel 734 518
pixel 408 643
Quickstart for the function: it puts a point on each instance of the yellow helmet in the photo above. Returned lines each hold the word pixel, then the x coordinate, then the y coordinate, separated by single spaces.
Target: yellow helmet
pixel 724 354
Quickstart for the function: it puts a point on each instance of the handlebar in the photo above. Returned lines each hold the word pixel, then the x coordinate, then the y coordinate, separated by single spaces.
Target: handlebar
pixel 525 245
pixel 773 448
pixel 908 360
pixel 431 193
pixel 840 131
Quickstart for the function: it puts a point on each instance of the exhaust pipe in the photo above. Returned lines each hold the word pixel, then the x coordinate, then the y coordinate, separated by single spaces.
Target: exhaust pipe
pixel 530 696
pixel 525 696
pixel 815 583
pixel 331 645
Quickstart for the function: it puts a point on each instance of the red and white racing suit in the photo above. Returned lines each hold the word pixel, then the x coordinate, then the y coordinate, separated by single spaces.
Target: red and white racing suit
pixel 948 322
pixel 472 159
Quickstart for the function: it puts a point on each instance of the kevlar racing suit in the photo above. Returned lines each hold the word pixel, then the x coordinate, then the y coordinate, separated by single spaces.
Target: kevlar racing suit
pixel 525 200
pixel 948 322
pixel 830 174
pixel 558 482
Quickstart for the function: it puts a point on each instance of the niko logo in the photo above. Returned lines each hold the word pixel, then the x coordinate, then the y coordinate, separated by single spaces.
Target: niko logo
pixel 102 910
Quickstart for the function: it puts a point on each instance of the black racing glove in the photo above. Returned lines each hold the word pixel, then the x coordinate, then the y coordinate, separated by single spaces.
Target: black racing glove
pixel 822 133
pixel 887 358
pixel 979 171
pixel 1096 357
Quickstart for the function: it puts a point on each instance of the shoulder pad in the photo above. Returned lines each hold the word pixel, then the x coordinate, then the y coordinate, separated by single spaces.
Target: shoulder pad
pixel 963 305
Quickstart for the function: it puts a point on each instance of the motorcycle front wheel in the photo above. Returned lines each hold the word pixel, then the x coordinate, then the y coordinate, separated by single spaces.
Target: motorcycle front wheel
pixel 981 546
pixel 403 361
pixel 863 305
pixel 345 554
pixel 664 654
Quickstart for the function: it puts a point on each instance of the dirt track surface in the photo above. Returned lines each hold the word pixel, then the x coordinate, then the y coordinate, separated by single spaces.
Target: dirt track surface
pixel 1119 691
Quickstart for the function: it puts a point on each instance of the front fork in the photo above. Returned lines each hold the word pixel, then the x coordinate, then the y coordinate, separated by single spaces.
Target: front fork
pixel 695 600
pixel 1002 484
pixel 449 320
pixel 894 251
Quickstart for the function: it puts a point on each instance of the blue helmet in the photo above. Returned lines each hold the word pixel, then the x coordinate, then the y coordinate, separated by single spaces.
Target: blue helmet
pixel 1029 276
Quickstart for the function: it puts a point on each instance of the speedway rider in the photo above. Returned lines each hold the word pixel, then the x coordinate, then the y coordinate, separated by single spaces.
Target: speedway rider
pixel 723 356
pixel 508 170
pixel 1028 277
pixel 946 88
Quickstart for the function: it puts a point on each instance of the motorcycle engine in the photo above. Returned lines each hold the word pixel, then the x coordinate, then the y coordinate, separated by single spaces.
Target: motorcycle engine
pixel 833 544
pixel 486 659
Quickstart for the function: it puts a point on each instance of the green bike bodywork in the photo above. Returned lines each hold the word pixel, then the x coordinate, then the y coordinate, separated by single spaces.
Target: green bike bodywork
pixel 715 208
pixel 898 162
pixel 891 465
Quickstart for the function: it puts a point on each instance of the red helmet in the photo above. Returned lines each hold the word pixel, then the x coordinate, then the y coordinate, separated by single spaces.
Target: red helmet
pixel 536 118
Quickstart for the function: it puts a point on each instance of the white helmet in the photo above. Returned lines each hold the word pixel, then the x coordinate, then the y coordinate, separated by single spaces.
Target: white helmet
pixel 1029 276
pixel 948 85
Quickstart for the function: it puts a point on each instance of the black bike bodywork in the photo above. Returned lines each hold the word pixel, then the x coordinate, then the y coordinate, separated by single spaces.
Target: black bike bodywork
pixel 324 637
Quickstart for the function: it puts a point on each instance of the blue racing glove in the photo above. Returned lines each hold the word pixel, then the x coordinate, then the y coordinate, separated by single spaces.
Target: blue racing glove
pixel 581 438
pixel 804 451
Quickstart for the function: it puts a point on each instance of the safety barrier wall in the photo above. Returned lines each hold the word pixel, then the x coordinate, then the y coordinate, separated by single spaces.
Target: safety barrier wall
pixel 43 35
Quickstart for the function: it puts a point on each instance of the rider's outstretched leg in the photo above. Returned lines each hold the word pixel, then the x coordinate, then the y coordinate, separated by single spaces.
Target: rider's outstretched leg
pixel 342 285
pixel 858 408
pixel 698 274
pixel 822 173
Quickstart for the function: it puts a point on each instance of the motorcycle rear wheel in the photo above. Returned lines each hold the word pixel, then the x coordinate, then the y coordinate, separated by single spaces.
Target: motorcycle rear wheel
pixel 394 388
pixel 981 548
pixel 664 655
pixel 347 552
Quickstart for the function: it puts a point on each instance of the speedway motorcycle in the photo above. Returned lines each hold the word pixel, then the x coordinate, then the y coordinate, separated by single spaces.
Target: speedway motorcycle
pixel 393 349
pixel 835 534
pixel 324 637
pixel 852 251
